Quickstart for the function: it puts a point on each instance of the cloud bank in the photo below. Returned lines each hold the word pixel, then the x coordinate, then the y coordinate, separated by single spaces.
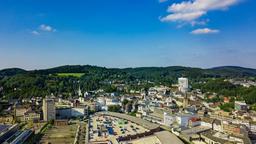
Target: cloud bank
pixel 188 11
pixel 192 11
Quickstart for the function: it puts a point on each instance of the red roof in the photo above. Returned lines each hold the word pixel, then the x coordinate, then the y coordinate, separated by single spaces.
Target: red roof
pixel 194 119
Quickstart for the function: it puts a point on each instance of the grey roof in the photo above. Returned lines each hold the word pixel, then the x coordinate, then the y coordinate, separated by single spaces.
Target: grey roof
pixel 195 130
pixel 141 122
pixel 209 134
pixel 166 137
pixel 207 120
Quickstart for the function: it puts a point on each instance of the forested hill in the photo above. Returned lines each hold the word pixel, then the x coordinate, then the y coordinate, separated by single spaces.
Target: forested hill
pixel 11 72
pixel 225 71
pixel 233 71
pixel 18 83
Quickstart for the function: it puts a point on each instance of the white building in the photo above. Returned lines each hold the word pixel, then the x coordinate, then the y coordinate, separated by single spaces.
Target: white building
pixel 241 105
pixel 152 91
pixel 112 101
pixel 169 119
pixel 101 101
pixel 69 112
pixel 143 110
pixel 79 111
pixel 183 84
pixel 183 120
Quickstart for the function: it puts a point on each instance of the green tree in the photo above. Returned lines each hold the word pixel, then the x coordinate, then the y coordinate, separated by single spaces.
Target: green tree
pixel 114 108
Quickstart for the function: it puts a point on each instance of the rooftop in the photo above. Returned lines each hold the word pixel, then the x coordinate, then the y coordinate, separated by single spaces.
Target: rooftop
pixel 225 138
pixel 144 123
pixel 166 137
pixel 195 130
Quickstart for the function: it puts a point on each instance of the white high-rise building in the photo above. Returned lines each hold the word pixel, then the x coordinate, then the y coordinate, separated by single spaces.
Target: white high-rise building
pixel 183 84
pixel 49 109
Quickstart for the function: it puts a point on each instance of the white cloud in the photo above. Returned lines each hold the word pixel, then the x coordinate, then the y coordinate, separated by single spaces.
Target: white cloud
pixel 46 28
pixel 183 16
pixel 34 32
pixel 205 31
pixel 201 5
pixel 43 28
pixel 201 22
pixel 188 11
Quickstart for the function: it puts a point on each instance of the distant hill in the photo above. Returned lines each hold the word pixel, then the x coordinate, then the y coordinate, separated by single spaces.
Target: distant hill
pixel 224 71
pixel 67 69
pixel 19 83
pixel 11 72
pixel 233 71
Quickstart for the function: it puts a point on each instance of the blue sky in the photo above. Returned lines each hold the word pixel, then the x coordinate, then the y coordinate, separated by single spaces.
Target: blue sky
pixel 38 34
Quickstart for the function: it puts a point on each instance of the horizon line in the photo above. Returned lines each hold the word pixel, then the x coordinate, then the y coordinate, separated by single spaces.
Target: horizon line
pixel 127 67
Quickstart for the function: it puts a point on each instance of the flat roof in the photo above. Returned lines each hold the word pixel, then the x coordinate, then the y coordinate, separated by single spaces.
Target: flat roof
pixel 212 135
pixel 195 130
pixel 139 121
pixel 146 140
pixel 166 137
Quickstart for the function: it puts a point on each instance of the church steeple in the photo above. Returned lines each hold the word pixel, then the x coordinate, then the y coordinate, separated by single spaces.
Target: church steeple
pixel 79 91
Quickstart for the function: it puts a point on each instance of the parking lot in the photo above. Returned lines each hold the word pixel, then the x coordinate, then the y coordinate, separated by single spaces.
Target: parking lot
pixel 104 128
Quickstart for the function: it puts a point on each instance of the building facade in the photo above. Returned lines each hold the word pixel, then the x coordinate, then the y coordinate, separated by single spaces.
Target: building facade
pixel 241 106
pixel 49 112
pixel 183 84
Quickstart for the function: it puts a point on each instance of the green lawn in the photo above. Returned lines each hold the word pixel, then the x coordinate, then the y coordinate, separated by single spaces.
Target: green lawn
pixel 70 74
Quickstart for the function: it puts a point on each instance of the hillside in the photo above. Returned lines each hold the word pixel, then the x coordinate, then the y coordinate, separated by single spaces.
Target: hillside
pixel 225 71
pixel 64 80
pixel 233 71
pixel 11 72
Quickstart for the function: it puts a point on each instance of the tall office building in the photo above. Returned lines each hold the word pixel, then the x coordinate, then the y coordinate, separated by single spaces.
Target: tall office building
pixel 49 109
pixel 183 84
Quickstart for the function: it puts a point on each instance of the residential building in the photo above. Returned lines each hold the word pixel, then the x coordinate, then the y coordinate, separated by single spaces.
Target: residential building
pixel 241 105
pixel 31 116
pixel 169 119
pixel 183 119
pixel 19 112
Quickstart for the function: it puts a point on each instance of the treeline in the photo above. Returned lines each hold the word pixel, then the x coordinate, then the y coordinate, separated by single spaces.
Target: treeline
pixel 225 88
pixel 18 83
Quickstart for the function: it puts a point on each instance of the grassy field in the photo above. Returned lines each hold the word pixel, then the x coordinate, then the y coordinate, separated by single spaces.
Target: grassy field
pixel 70 74
pixel 59 135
